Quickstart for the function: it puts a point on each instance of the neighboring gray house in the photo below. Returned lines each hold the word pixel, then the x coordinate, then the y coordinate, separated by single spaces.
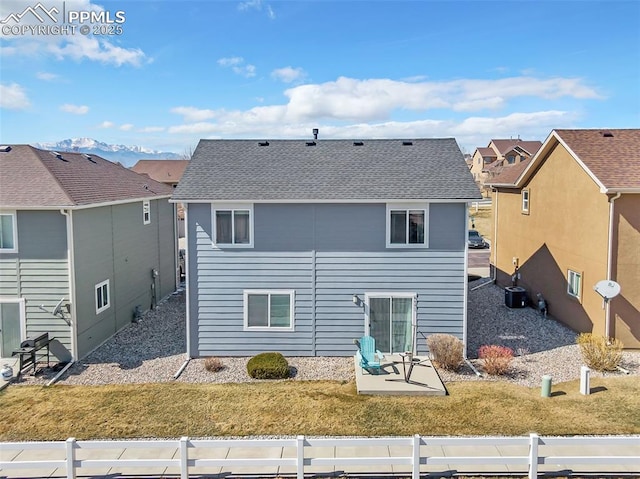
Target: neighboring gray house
pixel 303 246
pixel 83 230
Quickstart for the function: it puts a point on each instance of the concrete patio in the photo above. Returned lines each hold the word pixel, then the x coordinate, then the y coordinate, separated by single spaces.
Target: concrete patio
pixel 394 378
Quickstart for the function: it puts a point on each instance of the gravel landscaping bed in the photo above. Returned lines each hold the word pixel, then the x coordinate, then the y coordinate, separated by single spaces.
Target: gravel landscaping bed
pixel 153 350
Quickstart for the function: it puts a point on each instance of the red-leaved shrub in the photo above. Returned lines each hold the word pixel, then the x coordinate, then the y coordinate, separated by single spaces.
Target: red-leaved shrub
pixel 495 359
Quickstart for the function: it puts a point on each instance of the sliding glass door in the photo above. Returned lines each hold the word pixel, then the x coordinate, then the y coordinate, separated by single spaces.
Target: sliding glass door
pixel 390 321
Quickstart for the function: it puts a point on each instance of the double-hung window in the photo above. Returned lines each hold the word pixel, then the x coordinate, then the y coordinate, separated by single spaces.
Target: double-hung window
pixel 103 296
pixel 525 202
pixel 407 225
pixel 146 212
pixel 574 284
pixel 8 240
pixel 233 226
pixel 272 310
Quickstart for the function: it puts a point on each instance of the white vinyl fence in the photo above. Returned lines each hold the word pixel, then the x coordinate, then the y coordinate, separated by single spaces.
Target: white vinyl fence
pixel 295 456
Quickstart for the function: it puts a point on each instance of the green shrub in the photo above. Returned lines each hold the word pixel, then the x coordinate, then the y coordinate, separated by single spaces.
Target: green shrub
pixel 213 364
pixel 600 353
pixel 495 359
pixel 268 366
pixel 446 351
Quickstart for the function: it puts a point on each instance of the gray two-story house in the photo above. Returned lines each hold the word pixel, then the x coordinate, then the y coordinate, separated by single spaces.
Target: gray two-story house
pixel 303 246
pixel 83 232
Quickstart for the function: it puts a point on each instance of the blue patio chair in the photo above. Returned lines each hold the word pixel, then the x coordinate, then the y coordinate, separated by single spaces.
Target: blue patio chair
pixel 368 356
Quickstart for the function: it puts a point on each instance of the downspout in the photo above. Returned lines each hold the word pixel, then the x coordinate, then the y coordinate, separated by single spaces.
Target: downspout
pixel 68 214
pixel 607 317
pixel 466 279
pixel 185 208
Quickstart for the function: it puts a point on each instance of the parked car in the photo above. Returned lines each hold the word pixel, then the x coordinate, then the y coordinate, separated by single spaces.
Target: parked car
pixel 476 240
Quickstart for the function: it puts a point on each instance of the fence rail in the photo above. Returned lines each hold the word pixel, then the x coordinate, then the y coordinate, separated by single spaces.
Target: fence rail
pixel 527 452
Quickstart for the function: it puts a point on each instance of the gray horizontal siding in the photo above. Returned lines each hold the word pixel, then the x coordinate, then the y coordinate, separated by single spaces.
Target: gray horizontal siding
pixel 45 282
pixel 438 279
pixel 9 277
pixel 218 301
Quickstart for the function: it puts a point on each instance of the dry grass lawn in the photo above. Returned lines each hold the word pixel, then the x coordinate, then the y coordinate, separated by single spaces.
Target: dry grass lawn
pixel 313 408
pixel 483 219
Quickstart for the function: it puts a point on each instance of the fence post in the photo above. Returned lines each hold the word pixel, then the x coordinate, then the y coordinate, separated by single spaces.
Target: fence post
pixel 300 457
pixel 415 462
pixel 71 457
pixel 534 440
pixel 184 457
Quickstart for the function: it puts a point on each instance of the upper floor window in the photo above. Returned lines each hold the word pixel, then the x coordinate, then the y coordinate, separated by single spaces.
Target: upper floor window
pixel 574 284
pixel 511 159
pixel 8 230
pixel 146 212
pixel 232 226
pixel 525 201
pixel 406 225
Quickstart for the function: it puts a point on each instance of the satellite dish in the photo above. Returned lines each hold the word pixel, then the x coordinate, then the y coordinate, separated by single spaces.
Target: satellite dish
pixel 607 289
pixel 58 309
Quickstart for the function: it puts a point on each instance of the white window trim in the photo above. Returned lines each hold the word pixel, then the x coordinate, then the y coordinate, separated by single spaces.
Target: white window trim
pixel 407 206
pixel 570 273
pixel 14 221
pixel 23 314
pixel 394 294
pixel 146 212
pixel 95 296
pixel 527 201
pixel 245 307
pixel 231 207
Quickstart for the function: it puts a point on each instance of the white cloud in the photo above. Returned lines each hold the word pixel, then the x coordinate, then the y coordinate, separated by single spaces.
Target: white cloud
pixel 238 66
pixel 73 46
pixel 13 97
pixel 258 6
pixel 288 74
pixel 126 127
pixel 152 129
pixel 45 76
pixel 106 124
pixel 75 109
pixel 192 114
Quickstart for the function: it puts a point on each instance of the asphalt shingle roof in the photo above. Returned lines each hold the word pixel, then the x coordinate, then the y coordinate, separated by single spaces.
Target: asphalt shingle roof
pixel 286 170
pixel 165 171
pixel 30 177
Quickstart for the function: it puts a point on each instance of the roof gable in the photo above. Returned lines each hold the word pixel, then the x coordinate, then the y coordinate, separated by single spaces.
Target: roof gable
pixel 326 170
pixel 610 157
pixel 40 178
pixel 165 171
pixel 504 146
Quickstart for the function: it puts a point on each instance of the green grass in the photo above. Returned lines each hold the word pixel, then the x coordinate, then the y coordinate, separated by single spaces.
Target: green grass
pixel 483 221
pixel 313 408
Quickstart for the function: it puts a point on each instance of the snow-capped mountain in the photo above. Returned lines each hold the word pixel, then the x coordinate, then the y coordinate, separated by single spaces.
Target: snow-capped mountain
pixel 127 155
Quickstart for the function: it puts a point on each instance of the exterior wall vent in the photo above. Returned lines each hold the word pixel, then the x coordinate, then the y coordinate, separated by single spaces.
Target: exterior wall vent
pixel 263 143
pixel 358 143
pixel 311 143
pixel 5 148
pixel 407 143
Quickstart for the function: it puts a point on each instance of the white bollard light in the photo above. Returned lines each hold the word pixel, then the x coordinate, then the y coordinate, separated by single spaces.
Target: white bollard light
pixel 585 388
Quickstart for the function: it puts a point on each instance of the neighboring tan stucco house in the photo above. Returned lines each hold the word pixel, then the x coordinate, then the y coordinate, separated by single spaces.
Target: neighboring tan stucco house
pixel 84 230
pixel 302 247
pixel 164 171
pixel 570 217
pixel 487 163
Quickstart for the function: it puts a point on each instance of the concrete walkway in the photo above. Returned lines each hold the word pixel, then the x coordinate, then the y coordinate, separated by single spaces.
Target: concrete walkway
pixel 446 460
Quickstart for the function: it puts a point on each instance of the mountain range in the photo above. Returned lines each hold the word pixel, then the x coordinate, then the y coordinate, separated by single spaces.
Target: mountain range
pixel 127 155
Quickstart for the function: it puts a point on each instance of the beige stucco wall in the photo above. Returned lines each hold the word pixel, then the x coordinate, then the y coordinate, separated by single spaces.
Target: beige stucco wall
pixel 566 228
pixel 625 309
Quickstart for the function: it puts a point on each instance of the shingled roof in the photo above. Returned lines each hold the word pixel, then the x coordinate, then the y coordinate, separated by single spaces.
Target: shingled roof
pixel 32 178
pixel 610 157
pixel 326 170
pixel 164 171
pixel 505 146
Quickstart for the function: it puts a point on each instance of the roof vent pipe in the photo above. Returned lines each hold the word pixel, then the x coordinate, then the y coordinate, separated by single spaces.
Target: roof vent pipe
pixel 315 133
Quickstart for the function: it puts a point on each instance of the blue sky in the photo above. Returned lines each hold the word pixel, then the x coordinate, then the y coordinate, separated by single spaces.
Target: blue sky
pixel 185 70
